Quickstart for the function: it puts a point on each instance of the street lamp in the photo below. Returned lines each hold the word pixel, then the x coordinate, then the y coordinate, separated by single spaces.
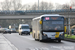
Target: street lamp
pixel 69 21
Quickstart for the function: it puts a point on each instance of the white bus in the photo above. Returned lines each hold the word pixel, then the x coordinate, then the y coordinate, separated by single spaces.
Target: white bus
pixel 48 26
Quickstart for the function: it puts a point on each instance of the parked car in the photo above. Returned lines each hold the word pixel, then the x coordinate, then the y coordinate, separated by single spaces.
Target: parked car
pixel 1 30
pixel 73 31
pixel 13 30
pixel 6 30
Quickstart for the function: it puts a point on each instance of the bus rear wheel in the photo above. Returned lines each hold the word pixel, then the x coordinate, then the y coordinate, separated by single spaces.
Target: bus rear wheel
pixel 39 39
pixel 35 38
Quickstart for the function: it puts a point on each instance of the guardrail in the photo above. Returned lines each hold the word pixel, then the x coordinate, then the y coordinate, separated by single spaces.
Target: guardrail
pixel 35 11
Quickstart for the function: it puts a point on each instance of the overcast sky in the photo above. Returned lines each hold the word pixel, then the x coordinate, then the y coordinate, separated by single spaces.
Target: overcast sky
pixel 36 1
pixel 53 1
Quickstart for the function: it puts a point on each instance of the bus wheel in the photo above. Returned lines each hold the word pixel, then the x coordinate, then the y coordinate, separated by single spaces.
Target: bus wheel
pixel 59 41
pixel 9 33
pixel 39 39
pixel 35 38
pixel 19 34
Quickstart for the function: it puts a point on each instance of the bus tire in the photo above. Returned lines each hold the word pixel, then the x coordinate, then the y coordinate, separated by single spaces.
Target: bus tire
pixel 29 34
pixel 35 38
pixel 39 39
pixel 9 33
pixel 59 41
pixel 21 33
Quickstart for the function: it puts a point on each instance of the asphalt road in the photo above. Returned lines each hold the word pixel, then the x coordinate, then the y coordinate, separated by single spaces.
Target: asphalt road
pixel 26 42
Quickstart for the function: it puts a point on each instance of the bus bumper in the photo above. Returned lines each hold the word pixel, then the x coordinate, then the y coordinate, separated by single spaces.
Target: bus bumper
pixel 50 38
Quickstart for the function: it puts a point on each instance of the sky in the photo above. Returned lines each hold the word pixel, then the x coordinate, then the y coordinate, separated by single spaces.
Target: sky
pixel 53 1
pixel 36 1
pixel 30 2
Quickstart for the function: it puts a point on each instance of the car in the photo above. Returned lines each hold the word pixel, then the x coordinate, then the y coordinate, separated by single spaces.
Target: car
pixel 6 30
pixel 13 30
pixel 24 29
pixel 73 31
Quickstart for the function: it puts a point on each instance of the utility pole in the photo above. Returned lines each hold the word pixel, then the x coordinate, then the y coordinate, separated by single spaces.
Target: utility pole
pixel 38 4
pixel 69 22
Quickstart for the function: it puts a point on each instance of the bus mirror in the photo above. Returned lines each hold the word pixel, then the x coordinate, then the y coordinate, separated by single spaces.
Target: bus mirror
pixel 65 29
pixel 40 22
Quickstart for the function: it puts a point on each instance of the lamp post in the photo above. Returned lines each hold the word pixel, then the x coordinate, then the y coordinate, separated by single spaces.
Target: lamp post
pixel 38 4
pixel 69 22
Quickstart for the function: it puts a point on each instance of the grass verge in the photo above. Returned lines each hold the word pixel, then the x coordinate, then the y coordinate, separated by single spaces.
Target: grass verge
pixel 71 37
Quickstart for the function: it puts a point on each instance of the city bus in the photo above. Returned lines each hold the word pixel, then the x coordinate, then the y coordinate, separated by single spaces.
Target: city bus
pixel 48 26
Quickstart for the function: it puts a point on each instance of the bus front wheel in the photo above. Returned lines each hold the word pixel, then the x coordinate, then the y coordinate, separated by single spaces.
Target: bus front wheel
pixel 59 41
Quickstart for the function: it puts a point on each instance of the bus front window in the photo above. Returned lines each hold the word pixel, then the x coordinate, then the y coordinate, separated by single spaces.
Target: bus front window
pixel 53 25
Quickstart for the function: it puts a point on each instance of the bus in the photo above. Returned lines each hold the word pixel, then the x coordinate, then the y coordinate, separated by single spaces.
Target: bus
pixel 48 26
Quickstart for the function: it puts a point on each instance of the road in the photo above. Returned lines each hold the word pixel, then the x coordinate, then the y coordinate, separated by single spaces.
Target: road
pixel 26 42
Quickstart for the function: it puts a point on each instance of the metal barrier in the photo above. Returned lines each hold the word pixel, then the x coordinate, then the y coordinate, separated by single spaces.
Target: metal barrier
pixel 36 11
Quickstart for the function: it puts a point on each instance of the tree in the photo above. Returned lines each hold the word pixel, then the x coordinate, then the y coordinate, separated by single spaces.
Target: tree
pixel 58 6
pixel 16 4
pixel 50 6
pixel 46 6
pixel 34 6
pixel 43 5
pixel 6 5
pixel 65 6
pixel 11 5
pixel 72 2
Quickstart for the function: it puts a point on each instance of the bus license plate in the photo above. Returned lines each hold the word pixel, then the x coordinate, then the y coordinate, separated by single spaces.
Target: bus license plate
pixel 52 37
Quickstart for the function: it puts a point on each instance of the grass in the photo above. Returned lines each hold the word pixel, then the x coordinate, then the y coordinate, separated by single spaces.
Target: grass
pixel 30 32
pixel 71 37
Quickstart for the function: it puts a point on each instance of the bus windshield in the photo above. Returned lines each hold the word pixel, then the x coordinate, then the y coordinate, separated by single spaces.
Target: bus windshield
pixel 53 25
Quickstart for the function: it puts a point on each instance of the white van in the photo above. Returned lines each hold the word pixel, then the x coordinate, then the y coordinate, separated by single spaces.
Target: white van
pixel 24 29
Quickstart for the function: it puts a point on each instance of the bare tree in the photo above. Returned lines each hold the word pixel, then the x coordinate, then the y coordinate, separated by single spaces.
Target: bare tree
pixel 43 5
pixel 11 5
pixel 34 6
pixel 50 6
pixel 58 6
pixel 72 2
pixel 6 5
pixel 16 4
pixel 65 6
pixel 46 6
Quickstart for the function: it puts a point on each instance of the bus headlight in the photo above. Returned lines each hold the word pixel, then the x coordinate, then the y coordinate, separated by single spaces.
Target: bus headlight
pixel 45 34
pixel 61 34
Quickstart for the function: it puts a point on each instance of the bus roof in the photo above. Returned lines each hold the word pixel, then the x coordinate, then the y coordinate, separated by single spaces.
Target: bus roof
pixel 47 15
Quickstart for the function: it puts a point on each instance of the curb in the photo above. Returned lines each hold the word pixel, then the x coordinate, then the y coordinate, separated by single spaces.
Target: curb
pixel 71 40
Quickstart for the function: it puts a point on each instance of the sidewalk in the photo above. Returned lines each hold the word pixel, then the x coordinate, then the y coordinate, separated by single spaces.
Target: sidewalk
pixel 5 44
